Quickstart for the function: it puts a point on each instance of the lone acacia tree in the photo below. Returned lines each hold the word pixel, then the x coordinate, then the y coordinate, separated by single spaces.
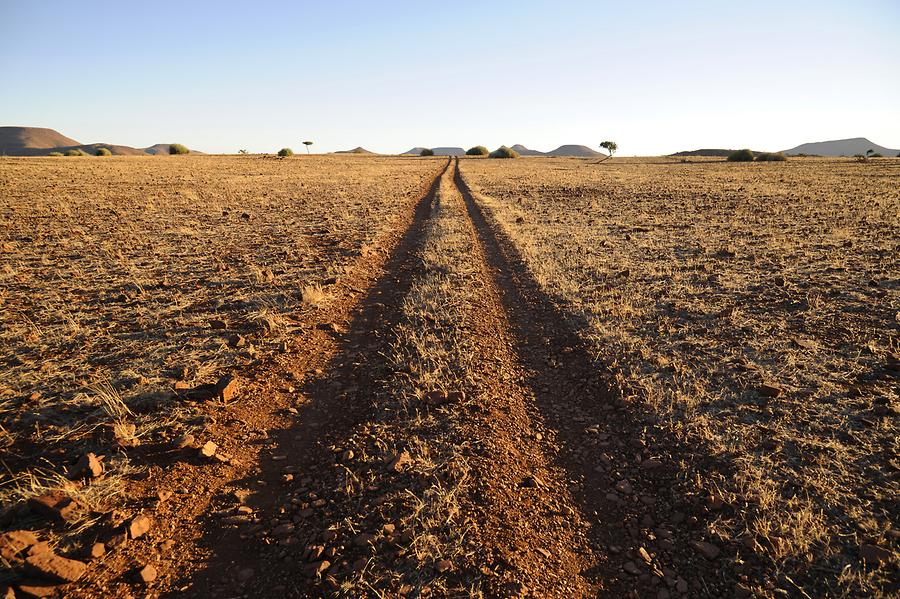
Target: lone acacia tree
pixel 307 144
pixel 609 146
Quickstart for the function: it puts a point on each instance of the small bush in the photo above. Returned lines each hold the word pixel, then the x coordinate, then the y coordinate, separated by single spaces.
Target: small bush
pixel 477 151
pixel 75 152
pixel 771 157
pixel 504 152
pixel 55 154
pixel 744 155
pixel 426 152
pixel 875 155
pixel 103 152
pixel 178 149
pixel 285 152
pixel 898 154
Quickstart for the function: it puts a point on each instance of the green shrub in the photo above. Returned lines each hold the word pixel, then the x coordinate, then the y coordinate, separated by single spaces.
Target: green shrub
pixel 178 149
pixel 55 154
pixel 426 152
pixel 771 157
pixel 285 152
pixel 75 152
pixel 744 155
pixel 504 152
pixel 477 151
pixel 103 152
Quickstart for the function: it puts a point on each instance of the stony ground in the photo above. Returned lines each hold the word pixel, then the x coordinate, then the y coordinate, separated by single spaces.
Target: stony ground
pixel 357 376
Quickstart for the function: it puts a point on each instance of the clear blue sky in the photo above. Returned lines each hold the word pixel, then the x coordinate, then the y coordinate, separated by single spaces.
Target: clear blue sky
pixel 656 77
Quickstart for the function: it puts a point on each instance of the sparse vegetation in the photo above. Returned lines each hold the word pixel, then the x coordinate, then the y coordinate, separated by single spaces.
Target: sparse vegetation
pixel 744 155
pixel 307 144
pixel 178 149
pixel 285 152
pixel 477 151
pixel 426 152
pixel 504 152
pixel 103 152
pixel 75 152
pixel 55 154
pixel 771 157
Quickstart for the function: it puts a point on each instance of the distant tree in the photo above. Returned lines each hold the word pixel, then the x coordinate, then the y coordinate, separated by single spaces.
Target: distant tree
pixel 285 152
pixel 307 144
pixel 610 146
pixel 477 151
pixel 178 149
pixel 103 152
pixel 503 152
pixel 242 151
pixel 869 152
pixel 426 152
pixel 771 157
pixel 744 155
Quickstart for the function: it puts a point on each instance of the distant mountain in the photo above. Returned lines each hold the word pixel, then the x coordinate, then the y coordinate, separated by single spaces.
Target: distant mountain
pixel 39 141
pixel 573 150
pixel 357 150
pixel 442 151
pixel 523 151
pixel 449 151
pixel 841 147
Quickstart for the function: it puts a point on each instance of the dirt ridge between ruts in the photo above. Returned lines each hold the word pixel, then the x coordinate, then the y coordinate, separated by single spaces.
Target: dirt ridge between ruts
pixel 175 544
pixel 622 469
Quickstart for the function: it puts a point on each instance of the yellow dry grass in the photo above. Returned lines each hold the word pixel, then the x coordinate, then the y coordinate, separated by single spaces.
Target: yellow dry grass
pixel 119 277
pixel 698 285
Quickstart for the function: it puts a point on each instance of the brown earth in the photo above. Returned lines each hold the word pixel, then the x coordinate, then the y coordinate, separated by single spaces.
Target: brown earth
pixel 435 403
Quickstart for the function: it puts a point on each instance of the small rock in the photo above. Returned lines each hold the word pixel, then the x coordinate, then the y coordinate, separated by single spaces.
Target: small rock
pixel 708 550
pixel 237 341
pixel 347 455
pixel 55 504
pixel 89 465
pixel 873 554
pixel 651 464
pixel 766 390
pixel 388 529
pixel 147 574
pixel 138 526
pixel 163 495
pixel 644 555
pixel 227 388
pixel 185 441
pixel 209 449
pixel 631 568
pixel 97 550
pixel 681 585
pixel 623 486
pixel 316 568
pixel 400 462
pixel 37 588
pixel 39 548
pixel 15 542
pixel 443 565
pixel 54 567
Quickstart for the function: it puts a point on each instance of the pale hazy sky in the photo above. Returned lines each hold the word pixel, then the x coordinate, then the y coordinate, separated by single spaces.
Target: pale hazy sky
pixel 656 77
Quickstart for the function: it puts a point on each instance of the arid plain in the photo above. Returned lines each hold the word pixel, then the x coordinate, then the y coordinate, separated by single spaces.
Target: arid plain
pixel 427 377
